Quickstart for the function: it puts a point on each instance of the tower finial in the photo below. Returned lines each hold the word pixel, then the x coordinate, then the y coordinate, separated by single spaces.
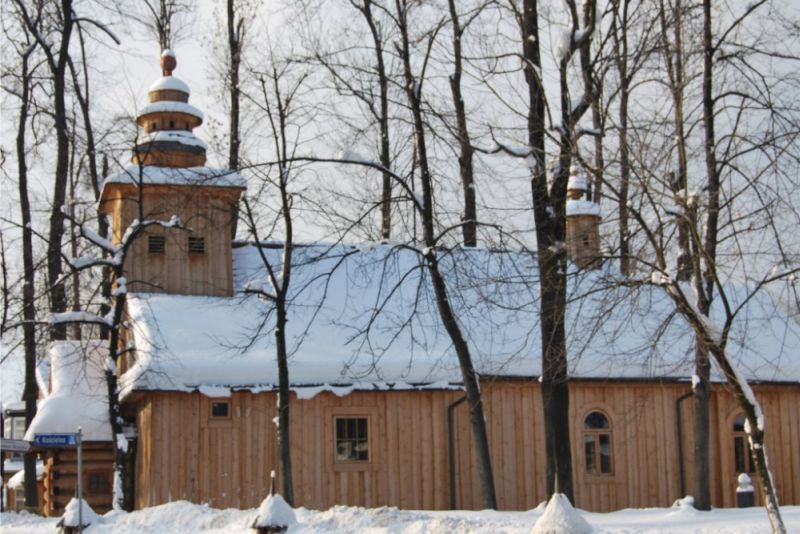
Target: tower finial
pixel 168 62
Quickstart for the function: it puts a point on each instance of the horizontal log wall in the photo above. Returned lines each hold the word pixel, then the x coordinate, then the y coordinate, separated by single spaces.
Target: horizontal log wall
pixel 184 454
pixel 61 477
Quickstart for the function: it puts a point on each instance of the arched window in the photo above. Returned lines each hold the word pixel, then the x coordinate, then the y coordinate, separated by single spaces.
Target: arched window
pixel 741 447
pixel 597 444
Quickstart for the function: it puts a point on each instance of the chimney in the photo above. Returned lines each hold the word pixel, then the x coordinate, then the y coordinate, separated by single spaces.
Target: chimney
pixel 583 223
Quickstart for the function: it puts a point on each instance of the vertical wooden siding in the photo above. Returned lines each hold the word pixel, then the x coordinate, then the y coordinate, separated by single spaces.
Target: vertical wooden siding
pixel 182 454
pixel 205 212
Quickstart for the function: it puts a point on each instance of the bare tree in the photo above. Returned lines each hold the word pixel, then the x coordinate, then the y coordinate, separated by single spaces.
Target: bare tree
pixel 549 210
pixel 25 49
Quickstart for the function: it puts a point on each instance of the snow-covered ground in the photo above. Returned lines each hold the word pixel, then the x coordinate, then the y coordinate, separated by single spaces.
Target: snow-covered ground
pixel 184 517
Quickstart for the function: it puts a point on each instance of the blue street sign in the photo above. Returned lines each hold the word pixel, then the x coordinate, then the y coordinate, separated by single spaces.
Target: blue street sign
pixel 55 440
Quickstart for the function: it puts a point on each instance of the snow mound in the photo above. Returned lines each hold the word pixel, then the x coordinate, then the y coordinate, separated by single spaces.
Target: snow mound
pixel 274 512
pixel 683 507
pixel 561 518
pixel 70 517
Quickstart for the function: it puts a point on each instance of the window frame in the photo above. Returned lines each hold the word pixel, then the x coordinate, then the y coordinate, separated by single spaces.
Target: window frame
pixel 356 440
pixel 370 413
pixel 596 434
pixel 226 402
pixel 105 475
pixel 744 437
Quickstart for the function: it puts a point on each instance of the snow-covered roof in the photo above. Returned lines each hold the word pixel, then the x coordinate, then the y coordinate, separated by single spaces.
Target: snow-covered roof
pixel 17 481
pixel 169 83
pixel 577 182
pixel 582 207
pixel 78 397
pixel 170 106
pixel 211 344
pixel 175 136
pixel 193 176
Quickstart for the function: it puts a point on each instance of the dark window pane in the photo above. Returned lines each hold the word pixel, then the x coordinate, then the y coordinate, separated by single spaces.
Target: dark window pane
pixel 738 424
pixel 589 450
pixel 97 484
pixel 605 453
pixel 341 429
pixel 220 409
pixel 595 420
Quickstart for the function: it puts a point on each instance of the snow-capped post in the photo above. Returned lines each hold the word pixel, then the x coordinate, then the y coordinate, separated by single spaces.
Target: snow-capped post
pixel 560 517
pixel 79 443
pixel 745 493
pixel 77 516
pixel 274 514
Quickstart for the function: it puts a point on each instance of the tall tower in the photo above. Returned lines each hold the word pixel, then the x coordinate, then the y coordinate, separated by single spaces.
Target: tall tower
pixel 168 178
pixel 583 223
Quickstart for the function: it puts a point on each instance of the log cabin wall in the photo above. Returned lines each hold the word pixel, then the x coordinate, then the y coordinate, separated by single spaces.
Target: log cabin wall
pixel 206 214
pixel 61 478
pixel 185 453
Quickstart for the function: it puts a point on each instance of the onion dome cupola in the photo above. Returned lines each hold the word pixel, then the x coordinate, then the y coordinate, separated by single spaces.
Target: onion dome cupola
pixel 168 178
pixel 583 222
pixel 168 120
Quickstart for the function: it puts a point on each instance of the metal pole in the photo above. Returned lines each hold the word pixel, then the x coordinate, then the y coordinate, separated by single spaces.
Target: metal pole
pixel 80 480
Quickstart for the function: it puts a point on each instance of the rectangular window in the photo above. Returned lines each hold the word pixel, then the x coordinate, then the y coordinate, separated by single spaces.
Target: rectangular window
pixel 19 428
pixel 220 409
pixel 197 246
pixel 590 454
pixel 97 484
pixel 352 439
pixel 156 244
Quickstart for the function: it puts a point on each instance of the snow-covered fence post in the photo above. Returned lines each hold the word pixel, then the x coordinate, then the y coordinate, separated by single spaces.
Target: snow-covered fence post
pixel 745 493
pixel 274 514
pixel 77 516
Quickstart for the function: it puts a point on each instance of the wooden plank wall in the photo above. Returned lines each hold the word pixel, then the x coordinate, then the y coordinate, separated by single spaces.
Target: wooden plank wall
pixel 183 455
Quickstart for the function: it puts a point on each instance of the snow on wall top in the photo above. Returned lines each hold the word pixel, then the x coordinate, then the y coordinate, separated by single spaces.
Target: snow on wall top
pixel 582 207
pixel 169 106
pixel 577 182
pixel 78 394
pixel 169 83
pixel 194 176
pixel 176 136
pixel 189 342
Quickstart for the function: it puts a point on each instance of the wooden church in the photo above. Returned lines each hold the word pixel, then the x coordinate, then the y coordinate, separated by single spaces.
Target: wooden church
pixel 377 411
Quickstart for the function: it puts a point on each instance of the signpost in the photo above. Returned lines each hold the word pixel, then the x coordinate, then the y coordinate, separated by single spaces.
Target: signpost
pixel 14 445
pixel 66 440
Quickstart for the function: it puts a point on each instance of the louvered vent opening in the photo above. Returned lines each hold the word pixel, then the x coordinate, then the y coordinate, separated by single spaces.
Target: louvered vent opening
pixel 197 246
pixel 156 244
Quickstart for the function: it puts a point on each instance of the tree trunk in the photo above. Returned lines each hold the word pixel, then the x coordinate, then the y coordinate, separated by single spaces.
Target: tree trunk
pixel 472 389
pixel 383 121
pixel 469 220
pixel 284 444
pixel 31 391
pixel 58 300
pixel 702 463
pixel 235 31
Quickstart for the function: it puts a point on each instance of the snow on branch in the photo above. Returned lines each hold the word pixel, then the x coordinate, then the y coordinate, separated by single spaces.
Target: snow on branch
pixel 72 317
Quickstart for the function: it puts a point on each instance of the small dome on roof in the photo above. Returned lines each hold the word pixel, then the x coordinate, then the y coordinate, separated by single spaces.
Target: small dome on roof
pixel 576 181
pixel 168 62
